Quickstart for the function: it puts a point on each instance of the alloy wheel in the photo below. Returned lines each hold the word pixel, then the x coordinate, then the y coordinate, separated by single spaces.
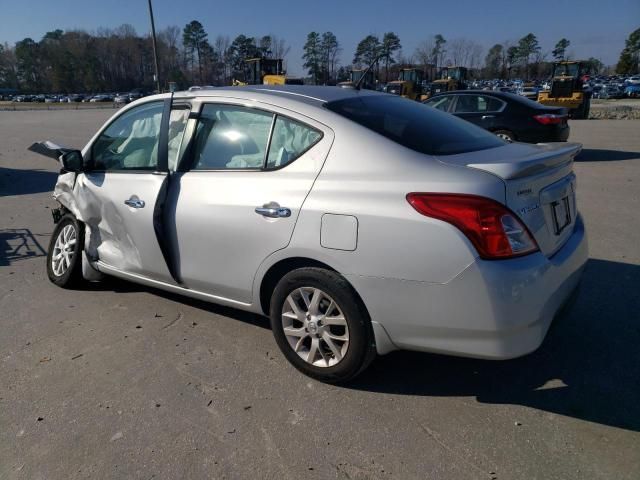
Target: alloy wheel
pixel 63 250
pixel 504 137
pixel 315 327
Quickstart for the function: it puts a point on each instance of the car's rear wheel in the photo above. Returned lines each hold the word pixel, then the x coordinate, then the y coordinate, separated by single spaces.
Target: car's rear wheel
pixel 505 135
pixel 321 326
pixel 64 262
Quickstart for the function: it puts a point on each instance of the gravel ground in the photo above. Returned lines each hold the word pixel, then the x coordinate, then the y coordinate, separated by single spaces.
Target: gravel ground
pixel 121 381
pixel 616 109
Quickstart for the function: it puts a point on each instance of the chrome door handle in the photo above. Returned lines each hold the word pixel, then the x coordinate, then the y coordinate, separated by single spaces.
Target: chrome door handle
pixel 487 116
pixel 134 202
pixel 273 211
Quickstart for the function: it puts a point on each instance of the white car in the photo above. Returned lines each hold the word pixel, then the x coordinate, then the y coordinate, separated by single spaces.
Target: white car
pixel 360 222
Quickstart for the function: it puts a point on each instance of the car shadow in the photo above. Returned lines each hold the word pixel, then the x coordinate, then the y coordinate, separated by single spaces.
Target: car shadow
pixel 598 155
pixel 18 244
pixel 587 368
pixel 15 181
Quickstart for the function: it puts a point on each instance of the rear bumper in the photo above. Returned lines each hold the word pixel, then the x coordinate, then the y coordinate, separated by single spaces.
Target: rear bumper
pixel 493 309
pixel 543 134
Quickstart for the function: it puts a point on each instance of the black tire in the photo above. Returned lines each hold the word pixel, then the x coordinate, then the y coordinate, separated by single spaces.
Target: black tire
pixel 510 137
pixel 586 106
pixel 72 276
pixel 361 347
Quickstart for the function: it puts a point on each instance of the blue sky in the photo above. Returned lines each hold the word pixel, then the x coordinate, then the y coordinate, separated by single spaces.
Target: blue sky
pixel 595 28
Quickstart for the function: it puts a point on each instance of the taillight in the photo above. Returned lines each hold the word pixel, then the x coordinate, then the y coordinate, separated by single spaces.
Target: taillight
pixel 493 229
pixel 550 119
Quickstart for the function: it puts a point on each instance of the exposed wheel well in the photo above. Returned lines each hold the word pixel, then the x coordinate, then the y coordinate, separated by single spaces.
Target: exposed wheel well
pixel 279 270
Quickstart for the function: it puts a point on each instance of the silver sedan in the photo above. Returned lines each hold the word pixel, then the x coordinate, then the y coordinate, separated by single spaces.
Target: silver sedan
pixel 359 222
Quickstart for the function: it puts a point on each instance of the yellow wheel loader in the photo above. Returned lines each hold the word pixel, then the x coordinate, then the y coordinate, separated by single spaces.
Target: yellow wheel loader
pixel 567 89
pixel 450 78
pixel 408 85
pixel 266 71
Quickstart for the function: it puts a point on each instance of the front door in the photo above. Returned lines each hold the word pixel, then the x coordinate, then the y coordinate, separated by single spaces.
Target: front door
pixel 117 195
pixel 251 170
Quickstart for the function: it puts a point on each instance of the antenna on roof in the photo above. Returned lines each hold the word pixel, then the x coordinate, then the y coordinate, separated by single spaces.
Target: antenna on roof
pixel 361 79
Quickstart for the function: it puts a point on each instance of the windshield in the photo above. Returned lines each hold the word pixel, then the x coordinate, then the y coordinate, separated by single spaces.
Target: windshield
pixel 414 125
pixel 566 69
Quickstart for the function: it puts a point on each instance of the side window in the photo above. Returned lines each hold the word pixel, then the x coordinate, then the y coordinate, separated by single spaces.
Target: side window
pixel 441 103
pixel 493 104
pixel 177 124
pixel 290 139
pixel 467 104
pixel 131 141
pixel 231 137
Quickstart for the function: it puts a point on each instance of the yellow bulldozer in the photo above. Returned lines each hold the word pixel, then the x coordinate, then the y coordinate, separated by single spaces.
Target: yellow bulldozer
pixel 265 71
pixel 567 89
pixel 408 85
pixel 450 78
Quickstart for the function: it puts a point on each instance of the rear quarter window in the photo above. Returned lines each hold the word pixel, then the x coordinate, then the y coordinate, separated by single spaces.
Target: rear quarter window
pixel 415 125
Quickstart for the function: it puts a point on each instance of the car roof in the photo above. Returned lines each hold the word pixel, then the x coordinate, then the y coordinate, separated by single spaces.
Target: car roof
pixel 506 96
pixel 514 97
pixel 294 94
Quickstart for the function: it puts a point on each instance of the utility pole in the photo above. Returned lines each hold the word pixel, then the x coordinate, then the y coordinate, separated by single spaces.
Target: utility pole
pixel 155 46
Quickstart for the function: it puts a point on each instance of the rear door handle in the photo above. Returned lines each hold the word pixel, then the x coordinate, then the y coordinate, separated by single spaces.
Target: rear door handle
pixel 484 117
pixel 134 202
pixel 273 210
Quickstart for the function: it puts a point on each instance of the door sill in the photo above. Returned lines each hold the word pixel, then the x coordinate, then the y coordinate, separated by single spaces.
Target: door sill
pixel 207 297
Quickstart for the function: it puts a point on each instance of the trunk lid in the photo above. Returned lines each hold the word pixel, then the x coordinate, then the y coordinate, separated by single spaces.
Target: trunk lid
pixel 539 183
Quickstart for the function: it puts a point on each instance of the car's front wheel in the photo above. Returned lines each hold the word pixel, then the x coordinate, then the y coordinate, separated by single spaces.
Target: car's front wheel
pixel 64 262
pixel 321 326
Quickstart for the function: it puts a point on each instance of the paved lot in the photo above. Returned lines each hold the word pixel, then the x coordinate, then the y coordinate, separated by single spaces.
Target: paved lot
pixel 120 381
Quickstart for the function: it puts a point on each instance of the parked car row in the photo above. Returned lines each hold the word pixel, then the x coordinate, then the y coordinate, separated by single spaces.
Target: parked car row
pixel 121 98
pixel 605 87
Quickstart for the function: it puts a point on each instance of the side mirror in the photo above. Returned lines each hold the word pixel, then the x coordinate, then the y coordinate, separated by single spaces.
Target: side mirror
pixel 72 161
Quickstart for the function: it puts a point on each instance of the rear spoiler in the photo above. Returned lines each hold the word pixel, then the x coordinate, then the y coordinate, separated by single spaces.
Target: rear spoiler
pixel 548 156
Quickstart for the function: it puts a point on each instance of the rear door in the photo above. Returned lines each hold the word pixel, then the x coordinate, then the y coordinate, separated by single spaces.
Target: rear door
pixel 251 167
pixel 482 110
pixel 120 194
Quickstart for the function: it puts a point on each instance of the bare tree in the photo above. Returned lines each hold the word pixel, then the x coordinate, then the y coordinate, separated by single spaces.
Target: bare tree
pixel 424 55
pixel 279 47
pixel 221 48
pixel 465 53
pixel 475 59
pixel 459 51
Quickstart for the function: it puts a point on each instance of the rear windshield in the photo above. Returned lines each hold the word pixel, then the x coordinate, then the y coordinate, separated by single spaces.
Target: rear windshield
pixel 414 125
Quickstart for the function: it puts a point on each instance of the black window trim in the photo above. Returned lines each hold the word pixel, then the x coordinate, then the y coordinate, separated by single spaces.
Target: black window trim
pixel 180 105
pixel 188 161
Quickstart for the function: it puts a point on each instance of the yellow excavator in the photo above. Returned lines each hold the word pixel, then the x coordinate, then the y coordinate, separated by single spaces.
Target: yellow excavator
pixel 266 71
pixel 567 89
pixel 450 78
pixel 408 85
